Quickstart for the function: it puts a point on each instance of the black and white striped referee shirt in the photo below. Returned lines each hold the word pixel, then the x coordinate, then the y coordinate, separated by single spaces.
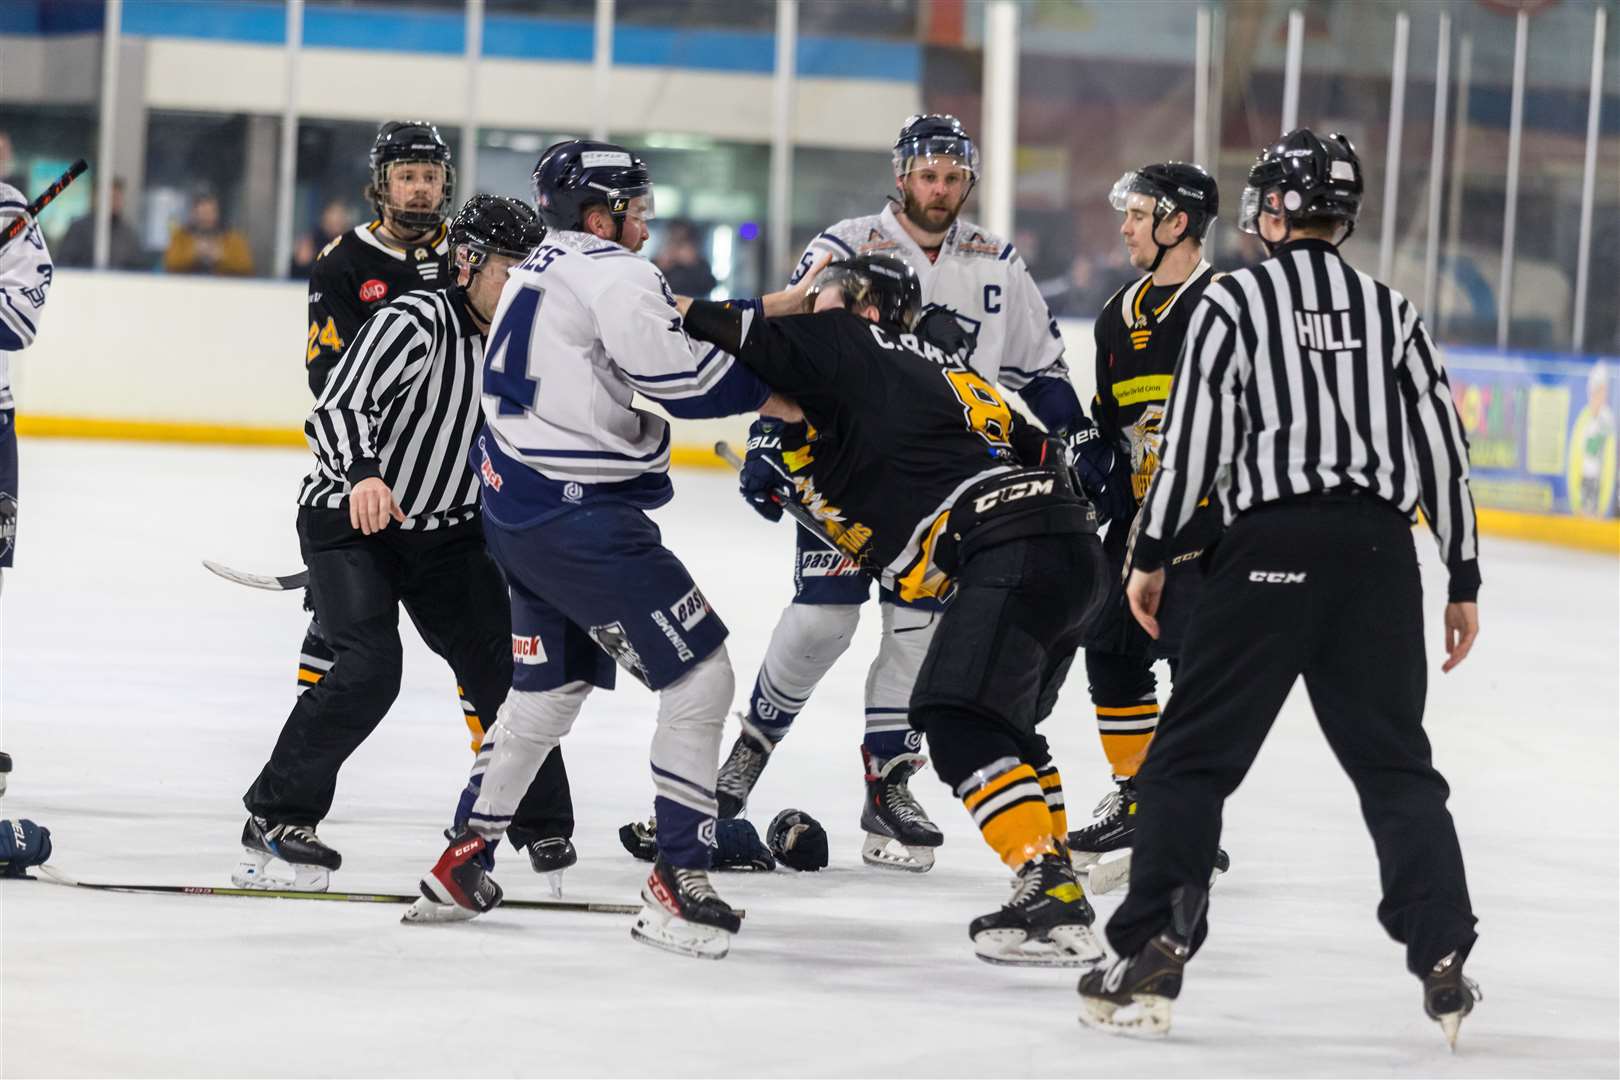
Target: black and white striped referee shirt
pixel 1302 375
pixel 403 404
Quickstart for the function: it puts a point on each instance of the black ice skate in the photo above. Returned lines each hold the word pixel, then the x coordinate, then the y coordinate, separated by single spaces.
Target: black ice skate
pixel 5 769
pixel 551 855
pixel 1113 829
pixel 1047 923
pixel 459 886
pixel 899 835
pixel 1448 996
pixel 740 771
pixel 684 914
pixel 311 861
pixel 1132 995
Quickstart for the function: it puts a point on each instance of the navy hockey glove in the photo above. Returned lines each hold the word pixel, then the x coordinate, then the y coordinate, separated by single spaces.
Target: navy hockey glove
pixel 798 840
pixel 737 846
pixel 764 480
pixel 22 844
pixel 1098 472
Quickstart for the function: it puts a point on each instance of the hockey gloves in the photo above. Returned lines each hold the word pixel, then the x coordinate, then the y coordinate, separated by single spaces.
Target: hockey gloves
pixel 22 844
pixel 1099 472
pixel 737 845
pixel 798 840
pixel 640 838
pixel 764 480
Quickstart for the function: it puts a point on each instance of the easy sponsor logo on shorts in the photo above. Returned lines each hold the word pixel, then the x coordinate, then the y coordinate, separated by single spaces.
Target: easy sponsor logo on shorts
pixel 1276 577
pixel 826 564
pixel 373 290
pixel 675 639
pixel 690 609
pixel 527 650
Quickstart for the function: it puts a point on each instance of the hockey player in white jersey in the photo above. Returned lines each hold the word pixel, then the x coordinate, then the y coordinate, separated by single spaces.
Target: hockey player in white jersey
pixel 25 280
pixel 978 278
pixel 569 466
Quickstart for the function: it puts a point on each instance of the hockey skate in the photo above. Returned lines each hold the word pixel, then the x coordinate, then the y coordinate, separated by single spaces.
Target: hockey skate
pixel 683 914
pixel 311 861
pixel 5 770
pixel 899 835
pixel 1047 923
pixel 740 771
pixel 458 887
pixel 1132 996
pixel 550 856
pixel 1449 995
pixel 1111 833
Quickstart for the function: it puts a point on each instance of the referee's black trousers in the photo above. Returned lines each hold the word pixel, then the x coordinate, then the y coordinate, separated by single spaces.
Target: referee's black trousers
pixel 1326 587
pixel 456 597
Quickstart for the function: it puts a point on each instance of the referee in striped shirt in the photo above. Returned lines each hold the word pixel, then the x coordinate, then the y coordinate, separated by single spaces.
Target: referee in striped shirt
pixel 1310 400
pixel 390 516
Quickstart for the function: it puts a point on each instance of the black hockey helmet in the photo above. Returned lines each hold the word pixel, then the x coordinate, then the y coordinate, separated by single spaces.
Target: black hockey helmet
pixel 409 140
pixel 573 176
pixel 494 225
pixel 927 137
pixel 1315 177
pixel 887 283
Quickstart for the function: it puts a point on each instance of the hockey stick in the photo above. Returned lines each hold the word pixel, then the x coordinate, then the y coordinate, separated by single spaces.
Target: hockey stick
pixel 57 877
pixel 795 510
pixel 41 201
pixel 272 582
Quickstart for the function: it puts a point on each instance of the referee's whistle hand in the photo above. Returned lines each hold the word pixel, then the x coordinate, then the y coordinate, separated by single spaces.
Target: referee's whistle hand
pixel 1143 591
pixel 1462 627
pixel 371 504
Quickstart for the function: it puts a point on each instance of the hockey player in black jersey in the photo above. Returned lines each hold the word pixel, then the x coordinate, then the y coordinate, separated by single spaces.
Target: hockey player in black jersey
pixel 1167 210
pixel 921 473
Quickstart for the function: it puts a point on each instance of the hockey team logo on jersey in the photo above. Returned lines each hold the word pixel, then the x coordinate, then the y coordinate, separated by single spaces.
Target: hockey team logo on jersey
pixel 528 650
pixel 826 564
pixel 690 609
pixel 36 293
pixel 373 290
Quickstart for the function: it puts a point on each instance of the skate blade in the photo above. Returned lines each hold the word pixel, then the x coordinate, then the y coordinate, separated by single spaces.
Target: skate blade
pixel 1065 947
pixel 554 883
pixel 656 927
pixel 426 911
pixel 1105 877
pixel 888 853
pixel 1450 1025
pixel 1146 1017
pixel 253 873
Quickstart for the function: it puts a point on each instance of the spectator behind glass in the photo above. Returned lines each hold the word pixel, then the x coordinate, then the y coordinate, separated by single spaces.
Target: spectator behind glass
pixel 684 266
pixel 336 220
pixel 78 245
pixel 204 246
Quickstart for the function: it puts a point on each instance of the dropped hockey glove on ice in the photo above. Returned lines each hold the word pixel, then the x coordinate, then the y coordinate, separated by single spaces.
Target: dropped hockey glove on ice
pixel 737 845
pixel 798 840
pixel 765 481
pixel 22 844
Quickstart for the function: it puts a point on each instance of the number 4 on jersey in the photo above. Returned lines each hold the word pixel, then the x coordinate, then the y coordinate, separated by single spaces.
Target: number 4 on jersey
pixel 506 368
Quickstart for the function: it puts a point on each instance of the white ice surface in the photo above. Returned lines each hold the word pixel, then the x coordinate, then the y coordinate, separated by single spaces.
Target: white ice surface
pixel 141 695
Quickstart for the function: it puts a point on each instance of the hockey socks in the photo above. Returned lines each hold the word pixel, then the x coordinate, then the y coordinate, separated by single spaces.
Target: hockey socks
pixel 1126 731
pixel 770 710
pixel 1009 806
pixel 1052 788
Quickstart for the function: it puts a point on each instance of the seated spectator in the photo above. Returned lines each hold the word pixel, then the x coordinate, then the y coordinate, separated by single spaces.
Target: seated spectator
pixel 78 245
pixel 684 266
pixel 204 246
pixel 336 220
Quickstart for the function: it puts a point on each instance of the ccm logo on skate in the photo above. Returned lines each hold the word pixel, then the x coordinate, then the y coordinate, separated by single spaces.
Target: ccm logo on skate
pixel 527 650
pixel 1012 493
pixel 375 289
pixel 1275 577
pixel 690 609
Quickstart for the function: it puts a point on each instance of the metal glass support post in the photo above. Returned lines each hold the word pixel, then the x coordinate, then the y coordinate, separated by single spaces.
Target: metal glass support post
pixel 1510 218
pixel 784 80
pixel 1392 150
pixel 1291 66
pixel 1437 164
pixel 601 69
pixel 1583 256
pixel 112 39
pixel 287 160
pixel 1201 109
pixel 1000 122
pixel 467 169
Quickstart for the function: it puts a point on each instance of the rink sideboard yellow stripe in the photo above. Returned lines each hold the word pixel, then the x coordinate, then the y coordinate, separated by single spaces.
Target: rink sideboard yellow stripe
pixel 1592 534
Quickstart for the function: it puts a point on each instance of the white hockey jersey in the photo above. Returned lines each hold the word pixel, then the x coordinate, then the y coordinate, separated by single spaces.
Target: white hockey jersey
pixel 983 281
pixel 583 325
pixel 25 279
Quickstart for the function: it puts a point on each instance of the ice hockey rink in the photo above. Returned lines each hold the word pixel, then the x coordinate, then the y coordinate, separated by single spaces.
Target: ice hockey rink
pixel 141 695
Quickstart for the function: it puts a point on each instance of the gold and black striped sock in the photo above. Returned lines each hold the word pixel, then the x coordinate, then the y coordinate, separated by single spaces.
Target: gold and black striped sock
pixel 1009 807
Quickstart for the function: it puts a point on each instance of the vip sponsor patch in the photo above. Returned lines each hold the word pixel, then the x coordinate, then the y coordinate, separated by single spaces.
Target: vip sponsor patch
pixel 527 650
pixel 690 609
pixel 826 564
pixel 373 290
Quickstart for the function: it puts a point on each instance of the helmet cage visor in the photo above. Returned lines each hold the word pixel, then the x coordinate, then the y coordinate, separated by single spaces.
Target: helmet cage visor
pixel 413 217
pixel 859 289
pixel 939 151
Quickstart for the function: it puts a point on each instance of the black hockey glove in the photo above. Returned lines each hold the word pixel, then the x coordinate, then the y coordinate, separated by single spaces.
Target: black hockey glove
pixel 22 844
pixel 1098 472
pixel 764 480
pixel 798 840
pixel 737 846
pixel 640 838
